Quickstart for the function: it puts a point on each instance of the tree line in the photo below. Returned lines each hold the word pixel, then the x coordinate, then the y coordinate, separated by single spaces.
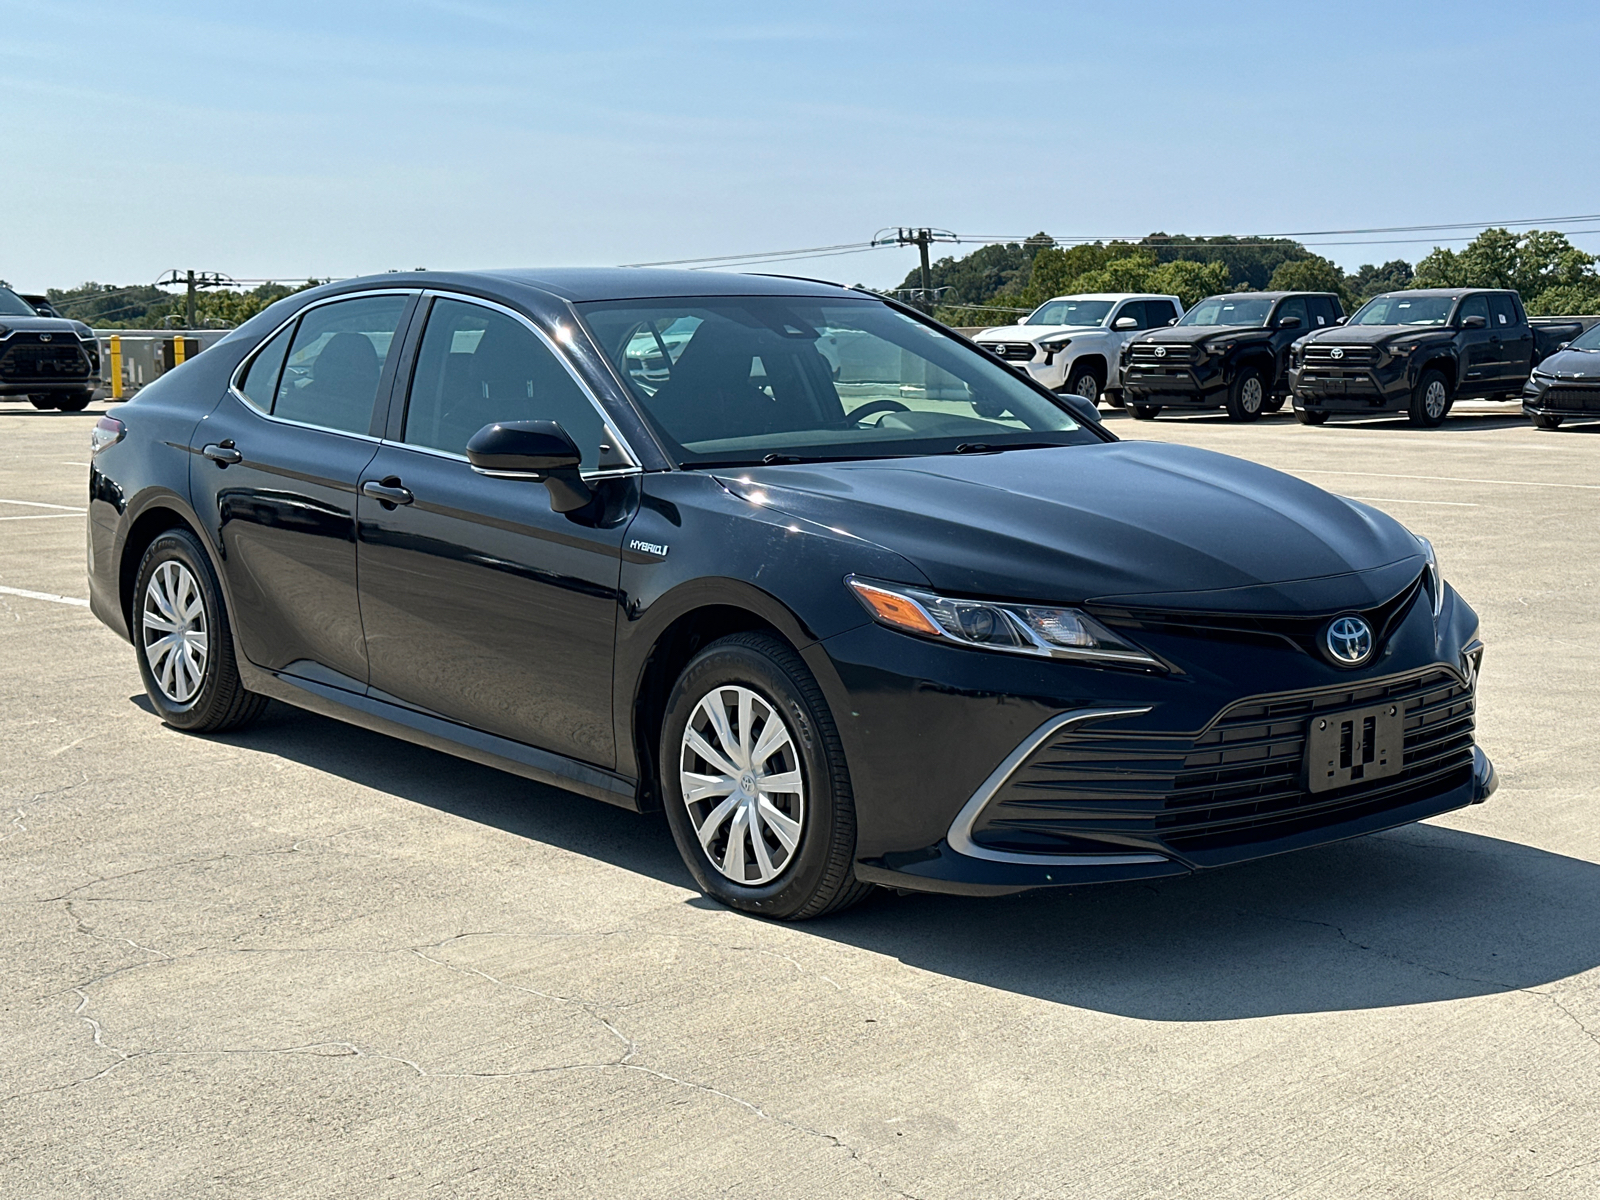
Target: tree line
pixel 996 284
pixel 141 306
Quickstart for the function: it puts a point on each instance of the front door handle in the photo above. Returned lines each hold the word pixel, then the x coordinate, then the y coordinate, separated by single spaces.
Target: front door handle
pixel 387 492
pixel 223 454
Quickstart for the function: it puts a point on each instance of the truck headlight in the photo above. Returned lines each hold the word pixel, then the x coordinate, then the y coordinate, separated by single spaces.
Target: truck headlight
pixel 1040 630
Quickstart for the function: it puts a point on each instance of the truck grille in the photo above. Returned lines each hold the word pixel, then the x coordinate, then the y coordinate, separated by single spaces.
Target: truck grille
pixel 1349 356
pixel 1146 353
pixel 1574 399
pixel 1241 781
pixel 1012 351
pixel 25 359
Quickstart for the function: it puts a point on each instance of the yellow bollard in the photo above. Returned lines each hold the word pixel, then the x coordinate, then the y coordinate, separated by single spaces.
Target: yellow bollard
pixel 116 367
pixel 177 351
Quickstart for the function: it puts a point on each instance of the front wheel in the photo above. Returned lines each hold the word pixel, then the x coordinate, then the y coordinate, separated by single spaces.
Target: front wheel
pixel 1144 412
pixel 1114 397
pixel 74 402
pixel 1430 401
pixel 42 403
pixel 1086 383
pixel 183 642
pixel 1247 396
pixel 1546 421
pixel 754 781
pixel 1307 417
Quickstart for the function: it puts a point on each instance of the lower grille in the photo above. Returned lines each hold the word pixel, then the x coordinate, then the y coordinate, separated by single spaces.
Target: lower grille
pixel 1241 781
pixel 44 362
pixel 1572 399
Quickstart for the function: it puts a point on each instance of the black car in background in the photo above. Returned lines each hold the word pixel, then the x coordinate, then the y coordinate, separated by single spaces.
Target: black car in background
pixel 1566 384
pixel 846 597
pixel 1226 352
pixel 52 361
pixel 1418 352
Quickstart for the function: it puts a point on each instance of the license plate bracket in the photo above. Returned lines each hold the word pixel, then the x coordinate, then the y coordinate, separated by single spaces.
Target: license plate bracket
pixel 1355 746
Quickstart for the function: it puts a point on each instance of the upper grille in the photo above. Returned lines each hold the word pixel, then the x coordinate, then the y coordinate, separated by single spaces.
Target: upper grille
pixel 1012 351
pixel 1350 356
pixel 1145 352
pixel 33 359
pixel 1239 782
pixel 1573 398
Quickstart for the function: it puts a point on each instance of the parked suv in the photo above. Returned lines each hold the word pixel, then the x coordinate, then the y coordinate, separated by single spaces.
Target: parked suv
pixel 1073 343
pixel 1418 352
pixel 1226 352
pixel 50 360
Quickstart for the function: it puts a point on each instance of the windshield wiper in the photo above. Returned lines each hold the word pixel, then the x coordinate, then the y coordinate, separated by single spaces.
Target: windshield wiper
pixel 986 448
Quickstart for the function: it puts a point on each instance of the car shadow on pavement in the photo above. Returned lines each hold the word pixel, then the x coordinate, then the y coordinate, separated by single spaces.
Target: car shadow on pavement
pixel 1416 915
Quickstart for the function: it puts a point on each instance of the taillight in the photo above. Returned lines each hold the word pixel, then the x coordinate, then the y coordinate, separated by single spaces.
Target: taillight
pixel 107 431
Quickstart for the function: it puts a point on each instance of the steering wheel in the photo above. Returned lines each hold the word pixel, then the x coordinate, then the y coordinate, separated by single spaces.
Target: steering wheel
pixel 873 407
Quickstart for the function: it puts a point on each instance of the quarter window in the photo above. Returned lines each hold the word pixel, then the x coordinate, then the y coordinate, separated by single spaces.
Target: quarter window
pixel 476 367
pixel 331 376
pixel 261 379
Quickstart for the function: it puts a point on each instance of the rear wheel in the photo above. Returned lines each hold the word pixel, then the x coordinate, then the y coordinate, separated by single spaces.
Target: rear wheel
pixel 1144 412
pixel 1546 421
pixel 1308 417
pixel 754 781
pixel 183 641
pixel 1085 382
pixel 1430 402
pixel 1247 396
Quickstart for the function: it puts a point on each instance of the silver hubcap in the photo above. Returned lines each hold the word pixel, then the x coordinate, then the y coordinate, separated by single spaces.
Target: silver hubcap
pixel 1250 395
pixel 1088 388
pixel 174 624
pixel 742 785
pixel 1434 400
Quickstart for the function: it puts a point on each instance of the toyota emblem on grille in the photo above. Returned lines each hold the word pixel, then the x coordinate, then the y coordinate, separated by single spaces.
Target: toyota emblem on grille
pixel 45 337
pixel 1336 352
pixel 1161 351
pixel 1349 641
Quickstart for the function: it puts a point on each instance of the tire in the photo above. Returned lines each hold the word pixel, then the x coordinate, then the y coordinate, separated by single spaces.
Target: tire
pixel 1085 382
pixel 802 868
pixel 1114 398
pixel 1430 402
pixel 1144 412
pixel 1248 395
pixel 1546 421
pixel 1275 404
pixel 75 402
pixel 1307 417
pixel 43 403
pixel 201 693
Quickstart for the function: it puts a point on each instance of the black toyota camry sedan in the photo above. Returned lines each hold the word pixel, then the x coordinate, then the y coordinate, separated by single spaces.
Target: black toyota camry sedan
pixel 848 598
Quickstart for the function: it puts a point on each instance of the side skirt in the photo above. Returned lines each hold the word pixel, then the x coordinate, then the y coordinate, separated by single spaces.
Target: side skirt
pixel 438 734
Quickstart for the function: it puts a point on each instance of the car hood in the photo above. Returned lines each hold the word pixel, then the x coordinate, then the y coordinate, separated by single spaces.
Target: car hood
pixel 1572 364
pixel 1374 335
pixel 1125 522
pixel 45 325
pixel 1188 335
pixel 1031 333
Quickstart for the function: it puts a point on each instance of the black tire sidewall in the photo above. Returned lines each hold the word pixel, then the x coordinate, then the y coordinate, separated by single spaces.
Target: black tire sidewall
pixel 1546 422
pixel 1144 412
pixel 749 661
pixel 1078 376
pixel 182 546
pixel 1236 408
pixel 1418 410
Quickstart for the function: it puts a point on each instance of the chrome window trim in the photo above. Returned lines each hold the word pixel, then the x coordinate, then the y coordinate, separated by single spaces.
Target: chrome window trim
pixel 631 467
pixel 960 835
pixel 240 371
pixel 432 451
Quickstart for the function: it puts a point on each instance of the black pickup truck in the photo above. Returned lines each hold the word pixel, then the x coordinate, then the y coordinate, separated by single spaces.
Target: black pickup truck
pixel 52 361
pixel 1418 352
pixel 1226 352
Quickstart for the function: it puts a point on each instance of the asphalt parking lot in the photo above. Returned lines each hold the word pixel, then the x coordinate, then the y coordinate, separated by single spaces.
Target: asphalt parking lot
pixel 306 960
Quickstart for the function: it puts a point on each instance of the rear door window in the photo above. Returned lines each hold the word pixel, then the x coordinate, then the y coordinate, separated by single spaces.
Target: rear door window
pixel 331 376
pixel 1322 314
pixel 1502 312
pixel 1158 313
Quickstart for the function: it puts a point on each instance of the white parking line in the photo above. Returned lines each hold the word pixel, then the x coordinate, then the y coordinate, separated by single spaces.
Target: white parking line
pixel 1588 487
pixel 50 596
pixel 44 516
pixel 1393 500
pixel 41 504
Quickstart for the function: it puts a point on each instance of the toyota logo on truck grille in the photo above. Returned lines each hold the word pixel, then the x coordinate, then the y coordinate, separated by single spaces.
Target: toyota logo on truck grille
pixel 1336 352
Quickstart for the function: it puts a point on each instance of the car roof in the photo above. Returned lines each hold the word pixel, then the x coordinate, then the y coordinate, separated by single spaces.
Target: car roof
pixel 1112 296
pixel 1262 295
pixel 1450 293
pixel 579 284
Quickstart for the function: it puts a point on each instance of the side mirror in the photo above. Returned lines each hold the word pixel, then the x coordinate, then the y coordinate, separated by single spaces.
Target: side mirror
pixel 1082 407
pixel 537 450
pixel 1172 320
pixel 1562 347
pixel 1340 320
pixel 1288 322
pixel 1474 322
pixel 1125 323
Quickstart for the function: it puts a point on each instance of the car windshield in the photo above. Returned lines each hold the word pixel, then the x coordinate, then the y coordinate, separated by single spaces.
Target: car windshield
pixel 13 305
pixel 1404 310
pixel 751 379
pixel 1070 312
pixel 1589 339
pixel 1228 310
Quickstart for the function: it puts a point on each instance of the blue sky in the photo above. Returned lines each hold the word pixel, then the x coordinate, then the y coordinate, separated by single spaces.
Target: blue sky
pixel 332 139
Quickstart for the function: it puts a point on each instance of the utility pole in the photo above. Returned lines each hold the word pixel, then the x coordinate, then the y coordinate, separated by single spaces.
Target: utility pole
pixel 192 281
pixel 188 309
pixel 921 239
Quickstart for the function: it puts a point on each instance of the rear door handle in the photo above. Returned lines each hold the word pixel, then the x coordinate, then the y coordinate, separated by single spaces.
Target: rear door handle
pixel 222 454
pixel 388 492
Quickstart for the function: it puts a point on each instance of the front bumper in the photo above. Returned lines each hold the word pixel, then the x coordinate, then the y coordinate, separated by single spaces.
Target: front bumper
pixel 1369 389
pixel 929 759
pixel 1184 386
pixel 1560 398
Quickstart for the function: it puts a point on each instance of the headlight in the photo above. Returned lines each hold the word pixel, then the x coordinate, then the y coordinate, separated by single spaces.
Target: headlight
pixel 1400 351
pixel 1056 346
pixel 1035 629
pixel 1435 581
pixel 1217 347
pixel 1544 375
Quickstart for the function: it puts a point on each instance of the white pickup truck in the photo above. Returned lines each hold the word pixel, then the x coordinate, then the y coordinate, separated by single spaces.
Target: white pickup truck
pixel 1072 343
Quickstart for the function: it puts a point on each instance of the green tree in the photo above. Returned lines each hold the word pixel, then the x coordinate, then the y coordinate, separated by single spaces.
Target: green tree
pixel 1311 274
pixel 1370 280
pixel 1550 272
pixel 1188 280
